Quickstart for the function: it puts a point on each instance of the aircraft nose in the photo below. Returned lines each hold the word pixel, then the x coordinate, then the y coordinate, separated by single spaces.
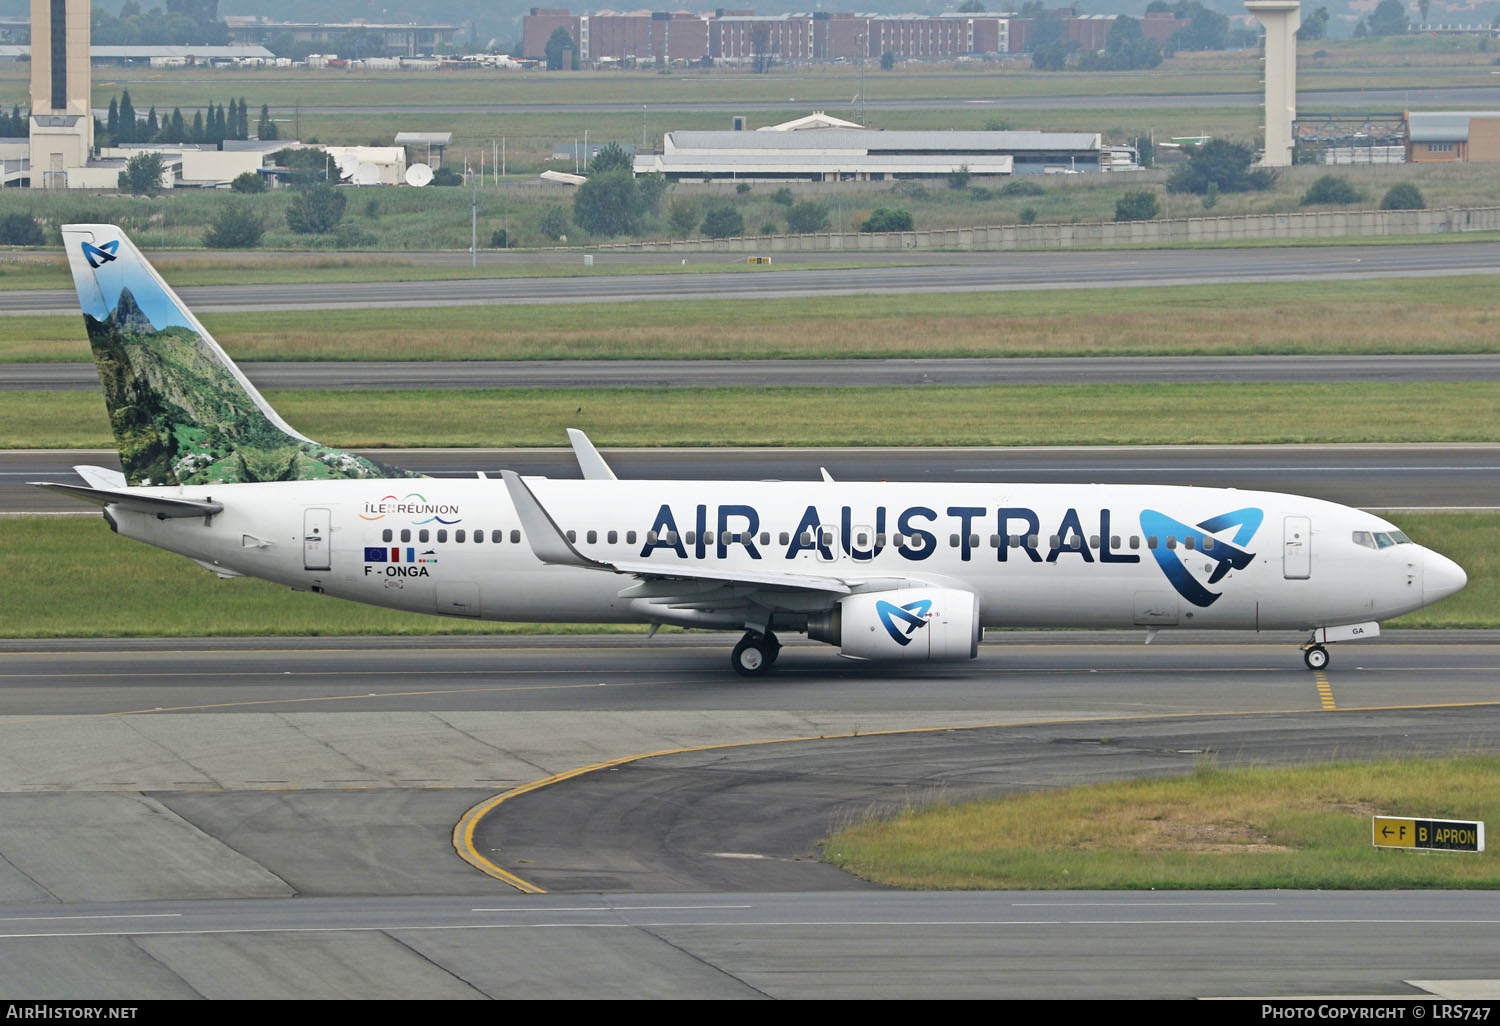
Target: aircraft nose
pixel 1441 577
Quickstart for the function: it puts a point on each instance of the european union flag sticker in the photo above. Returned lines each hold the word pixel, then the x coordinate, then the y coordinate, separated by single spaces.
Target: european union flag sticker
pixel 375 555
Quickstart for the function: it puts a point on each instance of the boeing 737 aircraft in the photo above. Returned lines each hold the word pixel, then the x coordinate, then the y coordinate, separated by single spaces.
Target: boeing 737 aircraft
pixel 885 571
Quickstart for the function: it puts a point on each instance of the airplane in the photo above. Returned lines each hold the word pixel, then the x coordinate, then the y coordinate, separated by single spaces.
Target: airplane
pixel 887 572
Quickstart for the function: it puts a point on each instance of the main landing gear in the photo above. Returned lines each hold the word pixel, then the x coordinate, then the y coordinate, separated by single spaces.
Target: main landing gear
pixel 1315 656
pixel 755 653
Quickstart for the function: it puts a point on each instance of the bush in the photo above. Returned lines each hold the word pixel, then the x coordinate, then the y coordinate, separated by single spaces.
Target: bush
pixel 554 223
pixel 248 182
pixel 1222 163
pixel 234 228
pixel 447 176
pixel 21 230
pixel 611 157
pixel 1137 205
pixel 608 204
pixel 884 220
pixel 807 217
pixel 1332 189
pixel 1028 215
pixel 723 222
pixel 683 216
pixel 316 210
pixel 1021 187
pixel 1403 197
pixel 742 188
pixel 783 196
pixel 959 177
pixel 500 240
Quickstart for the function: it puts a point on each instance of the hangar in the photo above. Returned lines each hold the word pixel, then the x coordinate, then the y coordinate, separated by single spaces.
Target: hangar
pixel 854 153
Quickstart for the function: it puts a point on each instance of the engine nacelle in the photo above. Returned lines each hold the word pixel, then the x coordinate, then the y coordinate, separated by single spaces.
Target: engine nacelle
pixel 905 624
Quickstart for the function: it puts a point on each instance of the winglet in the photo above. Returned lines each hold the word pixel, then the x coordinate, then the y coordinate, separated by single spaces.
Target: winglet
pixel 548 542
pixel 589 461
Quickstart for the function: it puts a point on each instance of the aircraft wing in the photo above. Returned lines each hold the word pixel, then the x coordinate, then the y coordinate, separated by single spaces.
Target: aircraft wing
pixel 550 544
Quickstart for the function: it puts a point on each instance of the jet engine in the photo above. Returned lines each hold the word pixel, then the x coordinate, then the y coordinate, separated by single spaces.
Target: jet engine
pixel 913 624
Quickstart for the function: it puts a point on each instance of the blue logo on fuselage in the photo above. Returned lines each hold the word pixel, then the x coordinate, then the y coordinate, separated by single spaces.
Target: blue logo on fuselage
pixel 1226 555
pixel 104 253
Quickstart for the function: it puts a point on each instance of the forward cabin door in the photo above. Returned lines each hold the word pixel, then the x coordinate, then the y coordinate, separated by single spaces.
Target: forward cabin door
pixel 317 545
pixel 1296 549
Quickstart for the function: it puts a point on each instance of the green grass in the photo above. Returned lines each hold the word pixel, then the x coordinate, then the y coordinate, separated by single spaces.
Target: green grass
pixel 1427 315
pixel 917 415
pixel 82 580
pixel 1303 827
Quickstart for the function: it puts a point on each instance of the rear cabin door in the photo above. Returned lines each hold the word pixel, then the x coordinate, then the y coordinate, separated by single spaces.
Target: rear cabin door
pixel 1296 549
pixel 317 547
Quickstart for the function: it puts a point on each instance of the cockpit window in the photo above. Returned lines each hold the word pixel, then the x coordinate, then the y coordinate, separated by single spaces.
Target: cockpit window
pixel 1384 540
pixel 1401 538
pixel 1364 538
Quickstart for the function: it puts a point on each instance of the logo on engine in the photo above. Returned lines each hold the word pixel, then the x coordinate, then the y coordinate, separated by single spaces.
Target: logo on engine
pixel 1225 556
pixel 104 253
pixel 913 615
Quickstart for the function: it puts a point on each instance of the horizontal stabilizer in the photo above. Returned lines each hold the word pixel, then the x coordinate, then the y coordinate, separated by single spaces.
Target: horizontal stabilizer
pixel 133 500
pixel 101 477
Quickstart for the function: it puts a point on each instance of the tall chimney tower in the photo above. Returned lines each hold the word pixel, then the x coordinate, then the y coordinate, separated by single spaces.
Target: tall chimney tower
pixel 1281 19
pixel 62 121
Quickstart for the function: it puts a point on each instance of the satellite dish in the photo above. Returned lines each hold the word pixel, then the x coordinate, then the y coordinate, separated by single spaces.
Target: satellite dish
pixel 347 163
pixel 419 175
pixel 367 174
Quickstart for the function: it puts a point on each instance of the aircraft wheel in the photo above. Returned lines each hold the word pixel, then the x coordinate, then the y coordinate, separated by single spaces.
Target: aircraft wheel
pixel 1315 656
pixel 753 656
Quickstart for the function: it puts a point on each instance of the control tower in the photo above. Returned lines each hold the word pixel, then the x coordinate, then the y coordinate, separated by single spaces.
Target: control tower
pixel 1281 19
pixel 62 121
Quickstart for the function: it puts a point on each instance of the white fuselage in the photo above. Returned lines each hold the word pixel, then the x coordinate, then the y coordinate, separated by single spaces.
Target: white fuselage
pixel 1036 555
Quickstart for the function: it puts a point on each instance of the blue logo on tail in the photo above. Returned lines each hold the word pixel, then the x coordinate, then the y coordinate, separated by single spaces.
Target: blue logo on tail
pixel 913 614
pixel 104 253
pixel 1225 555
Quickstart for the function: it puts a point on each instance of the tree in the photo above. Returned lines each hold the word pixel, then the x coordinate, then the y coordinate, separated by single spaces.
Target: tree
pixel 21 230
pixel 142 174
pixel 1137 205
pixel 608 204
pixel 1403 197
pixel 316 210
pixel 560 42
pixel 554 222
pixel 723 221
pixel 684 216
pixel 884 220
pixel 611 157
pixel 1315 25
pixel 970 7
pixel 1205 30
pixel 266 128
pixel 807 217
pixel 127 119
pixel 235 228
pixel 1332 189
pixel 888 60
pixel 1223 163
pixel 112 120
pixel 1388 19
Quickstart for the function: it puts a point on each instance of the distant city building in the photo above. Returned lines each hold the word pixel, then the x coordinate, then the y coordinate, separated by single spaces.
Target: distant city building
pixel 741 35
pixel 409 39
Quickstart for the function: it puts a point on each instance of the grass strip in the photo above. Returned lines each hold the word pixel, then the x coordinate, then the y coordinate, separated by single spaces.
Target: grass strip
pixel 1442 315
pixel 81 580
pixel 914 415
pixel 1303 827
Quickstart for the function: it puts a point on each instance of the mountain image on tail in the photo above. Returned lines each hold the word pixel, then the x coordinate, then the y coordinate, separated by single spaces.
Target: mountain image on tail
pixel 182 413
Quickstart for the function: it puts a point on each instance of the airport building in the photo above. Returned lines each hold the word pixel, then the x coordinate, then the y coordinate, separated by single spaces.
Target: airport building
pixel 823 149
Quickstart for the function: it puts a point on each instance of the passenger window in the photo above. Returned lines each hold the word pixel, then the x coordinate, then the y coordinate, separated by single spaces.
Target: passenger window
pixel 1135 541
pixel 785 538
pixel 629 537
pixel 1151 541
pixel 572 536
pixel 612 537
pixel 1187 543
pixel 442 534
pixel 708 537
pixel 386 535
pixel 593 537
pixel 765 537
pixel 424 535
pixel 953 541
pixel 478 537
pixel 406 534
pixel 880 540
pixel 691 537
pixel 650 537
pixel 515 537
pixel 897 540
pixel 1171 541
pixel 497 536
pixel 1052 542
pixel 1093 541
pixel 460 535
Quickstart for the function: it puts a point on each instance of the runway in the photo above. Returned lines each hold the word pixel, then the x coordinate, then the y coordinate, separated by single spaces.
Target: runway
pixel 258 818
pixel 997 272
pixel 1366 476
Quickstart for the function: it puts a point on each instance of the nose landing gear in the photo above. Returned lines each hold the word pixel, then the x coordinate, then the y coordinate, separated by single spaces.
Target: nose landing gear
pixel 1315 656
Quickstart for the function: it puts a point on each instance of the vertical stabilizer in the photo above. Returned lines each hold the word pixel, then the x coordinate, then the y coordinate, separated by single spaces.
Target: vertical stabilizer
pixel 182 412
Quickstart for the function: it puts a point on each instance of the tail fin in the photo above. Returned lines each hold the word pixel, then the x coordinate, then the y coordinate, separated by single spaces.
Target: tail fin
pixel 182 412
